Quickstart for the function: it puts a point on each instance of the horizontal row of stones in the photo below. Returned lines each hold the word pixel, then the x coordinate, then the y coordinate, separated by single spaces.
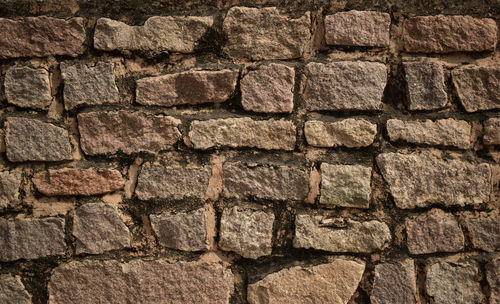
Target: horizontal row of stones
pixel 269 88
pixel 252 33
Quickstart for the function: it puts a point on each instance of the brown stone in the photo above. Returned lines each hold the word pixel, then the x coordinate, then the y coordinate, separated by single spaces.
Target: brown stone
pixel 492 131
pixel 351 133
pixel 425 85
pixel 126 132
pixel 394 282
pixel 191 87
pixel 28 87
pixel 493 278
pixel 446 34
pixel 484 231
pixel 12 290
pixel 10 182
pixel 41 36
pixel 478 88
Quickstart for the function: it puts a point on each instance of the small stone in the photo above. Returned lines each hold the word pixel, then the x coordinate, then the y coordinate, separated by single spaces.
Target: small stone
pixel 243 132
pixel 453 283
pixel 394 283
pixel 246 232
pixel 12 290
pixel 98 227
pixel 434 231
pixel 28 87
pixel 33 140
pixel 126 132
pixel 265 33
pixel 426 89
pixel 268 89
pixel 88 84
pixel 493 278
pixel 156 181
pixel 31 238
pixel 492 131
pixel 191 87
pixel 333 283
pixel 182 230
pixel 421 179
pixel 345 85
pixel 484 231
pixel 354 236
pixel 73 181
pixel 351 133
pixel 478 88
pixel 345 185
pixel 358 28
pixel 10 182
pixel 447 34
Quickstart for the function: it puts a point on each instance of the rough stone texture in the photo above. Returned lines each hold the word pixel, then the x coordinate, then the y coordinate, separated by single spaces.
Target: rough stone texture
pixel 478 88
pixel 265 33
pixel 268 89
pixel 28 87
pixel 10 182
pixel 41 36
pixel 492 131
pixel 434 231
pixel 246 232
pixel 88 84
pixel 332 283
pixel 444 132
pixel 12 290
pixel 156 181
pixel 31 238
pixel 353 236
pixel 141 282
pixel 493 278
pixel 420 179
pixel 358 28
pixel 394 283
pixel 484 231
pixel 159 34
pixel 446 34
pixel 344 85
pixel 98 227
pixel 126 132
pixel 453 283
pixel 190 87
pixel 182 230
pixel 74 181
pixel 243 132
pixel 345 185
pixel 276 183
pixel 33 140
pixel 351 133
pixel 425 85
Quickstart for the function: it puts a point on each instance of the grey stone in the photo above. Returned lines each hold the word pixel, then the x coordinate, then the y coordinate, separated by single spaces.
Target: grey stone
pixel 351 133
pixel 478 88
pixel 492 131
pixel 484 231
pixel 10 182
pixel 28 87
pixel 394 282
pixel 12 290
pixel 425 85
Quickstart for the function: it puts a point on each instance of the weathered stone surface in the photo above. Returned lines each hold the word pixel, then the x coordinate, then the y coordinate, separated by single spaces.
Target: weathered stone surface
pixel 358 28
pixel 353 236
pixel 345 185
pixel 28 87
pixel 444 132
pixel 492 131
pixel 159 34
pixel 74 181
pixel 453 283
pixel 12 290
pixel 156 181
pixel 33 140
pixel 394 283
pixel 265 33
pixel 478 88
pixel 484 231
pixel 434 231
pixel 268 89
pixel 344 85
pixel 98 227
pixel 190 87
pixel 243 132
pixel 10 182
pixel 141 282
pixel 420 179
pixel 425 85
pixel 182 230
pixel 31 238
pixel 314 283
pixel 246 232
pixel 41 36
pixel 276 183
pixel 88 84
pixel 446 34
pixel 126 132
pixel 493 278
pixel 351 133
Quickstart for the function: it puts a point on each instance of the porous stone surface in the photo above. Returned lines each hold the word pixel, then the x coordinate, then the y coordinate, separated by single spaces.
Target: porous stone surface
pixel 478 87
pixel 249 233
pixel 28 87
pixel 350 132
pixel 425 85
pixel 317 284
pixel 493 278
pixel 492 131
pixel 10 182
pixel 344 85
pixel 12 290
pixel 484 231
pixel 394 282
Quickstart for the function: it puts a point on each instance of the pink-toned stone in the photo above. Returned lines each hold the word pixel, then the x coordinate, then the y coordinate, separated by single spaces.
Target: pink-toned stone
pixel 394 282
pixel 478 87
pixel 484 231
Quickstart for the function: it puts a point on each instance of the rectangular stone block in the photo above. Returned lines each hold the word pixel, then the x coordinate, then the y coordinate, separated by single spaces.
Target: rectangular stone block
pixel 10 182
pixel 484 230
pixel 394 282
pixel 425 86
pixel 28 87
pixel 478 88
pixel 350 133
pixel 492 131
